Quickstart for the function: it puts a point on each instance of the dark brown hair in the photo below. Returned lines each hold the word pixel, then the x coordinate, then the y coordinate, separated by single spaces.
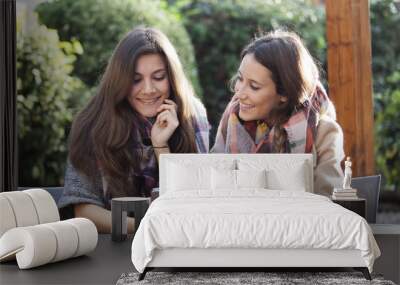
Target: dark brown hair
pixel 294 73
pixel 102 140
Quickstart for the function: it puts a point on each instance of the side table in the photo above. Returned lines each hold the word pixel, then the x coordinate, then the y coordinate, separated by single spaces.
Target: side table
pixel 119 213
pixel 358 205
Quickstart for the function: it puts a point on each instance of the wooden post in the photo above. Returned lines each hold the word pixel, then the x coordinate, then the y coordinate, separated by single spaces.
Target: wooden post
pixel 350 78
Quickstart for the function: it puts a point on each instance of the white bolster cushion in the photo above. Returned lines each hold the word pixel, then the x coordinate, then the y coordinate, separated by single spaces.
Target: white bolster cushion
pixel 26 208
pixel 87 235
pixel 24 211
pixel 32 246
pixel 40 244
pixel 45 205
pixel 66 238
pixel 7 218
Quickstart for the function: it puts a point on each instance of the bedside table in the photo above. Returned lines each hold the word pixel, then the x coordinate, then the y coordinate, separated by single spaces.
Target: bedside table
pixel 119 212
pixel 358 206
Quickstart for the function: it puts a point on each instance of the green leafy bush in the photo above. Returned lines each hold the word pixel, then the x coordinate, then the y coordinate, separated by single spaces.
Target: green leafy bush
pixel 220 29
pixel 46 94
pixel 385 23
pixel 100 24
pixel 387 126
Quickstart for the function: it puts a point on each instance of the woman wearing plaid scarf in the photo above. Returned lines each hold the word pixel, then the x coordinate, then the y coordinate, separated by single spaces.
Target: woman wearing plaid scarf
pixel 144 106
pixel 280 106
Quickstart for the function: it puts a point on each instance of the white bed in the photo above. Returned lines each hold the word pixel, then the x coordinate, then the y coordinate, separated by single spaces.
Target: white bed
pixel 225 210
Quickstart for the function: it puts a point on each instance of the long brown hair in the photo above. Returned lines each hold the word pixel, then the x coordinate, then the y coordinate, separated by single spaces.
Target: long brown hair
pixel 294 73
pixel 102 139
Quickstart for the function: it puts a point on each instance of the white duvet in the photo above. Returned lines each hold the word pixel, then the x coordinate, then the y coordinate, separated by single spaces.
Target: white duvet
pixel 253 218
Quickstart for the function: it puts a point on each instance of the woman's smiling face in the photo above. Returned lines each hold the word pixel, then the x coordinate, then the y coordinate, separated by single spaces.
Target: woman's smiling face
pixel 150 85
pixel 255 90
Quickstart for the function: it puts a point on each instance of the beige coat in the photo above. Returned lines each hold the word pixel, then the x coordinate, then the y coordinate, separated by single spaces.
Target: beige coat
pixel 328 153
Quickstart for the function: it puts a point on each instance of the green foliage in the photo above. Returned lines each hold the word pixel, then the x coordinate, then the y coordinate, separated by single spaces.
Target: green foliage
pixel 385 23
pixel 100 24
pixel 46 93
pixel 220 29
pixel 387 125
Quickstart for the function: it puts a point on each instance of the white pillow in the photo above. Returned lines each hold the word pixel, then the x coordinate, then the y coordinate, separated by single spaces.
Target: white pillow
pixel 228 179
pixel 223 179
pixel 280 174
pixel 251 178
pixel 293 179
pixel 187 174
pixel 182 177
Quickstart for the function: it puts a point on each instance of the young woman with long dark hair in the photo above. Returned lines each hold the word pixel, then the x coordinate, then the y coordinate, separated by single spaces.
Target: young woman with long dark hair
pixel 144 106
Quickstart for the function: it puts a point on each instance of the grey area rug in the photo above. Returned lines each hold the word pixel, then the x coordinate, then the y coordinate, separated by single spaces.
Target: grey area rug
pixel 229 278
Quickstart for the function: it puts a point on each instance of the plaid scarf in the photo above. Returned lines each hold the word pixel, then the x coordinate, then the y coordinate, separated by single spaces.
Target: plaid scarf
pixel 236 136
pixel 147 175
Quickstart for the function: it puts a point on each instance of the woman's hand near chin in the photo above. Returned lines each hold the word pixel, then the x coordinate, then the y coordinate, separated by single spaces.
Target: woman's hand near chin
pixel 165 124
